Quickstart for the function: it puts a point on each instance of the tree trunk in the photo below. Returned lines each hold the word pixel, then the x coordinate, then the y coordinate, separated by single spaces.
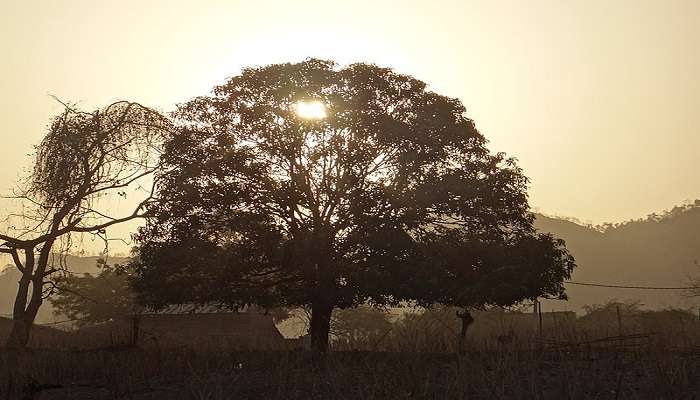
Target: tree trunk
pixel 22 323
pixel 26 307
pixel 320 327
pixel 135 322
pixel 19 335
pixel 467 320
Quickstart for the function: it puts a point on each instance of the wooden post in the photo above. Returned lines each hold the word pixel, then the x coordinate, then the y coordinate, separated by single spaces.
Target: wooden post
pixel 539 312
pixel 135 329
pixel 619 321
pixel 467 320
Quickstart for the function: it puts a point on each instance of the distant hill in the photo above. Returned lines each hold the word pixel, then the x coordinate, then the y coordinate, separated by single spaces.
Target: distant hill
pixel 9 277
pixel 661 250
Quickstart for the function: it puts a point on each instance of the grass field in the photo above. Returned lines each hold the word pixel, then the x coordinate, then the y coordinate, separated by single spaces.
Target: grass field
pixel 505 373
pixel 644 355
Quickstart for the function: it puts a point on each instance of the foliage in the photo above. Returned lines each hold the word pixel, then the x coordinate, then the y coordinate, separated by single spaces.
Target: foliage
pixel 652 218
pixel 92 299
pixel 359 323
pixel 472 273
pixel 84 153
pixel 85 157
pixel 611 307
pixel 633 318
pixel 89 299
pixel 261 205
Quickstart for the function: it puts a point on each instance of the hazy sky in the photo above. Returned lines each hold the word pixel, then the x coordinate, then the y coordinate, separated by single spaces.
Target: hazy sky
pixel 599 100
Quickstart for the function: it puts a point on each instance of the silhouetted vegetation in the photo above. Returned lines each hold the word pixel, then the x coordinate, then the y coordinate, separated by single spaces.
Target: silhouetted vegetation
pixel 414 361
pixel 334 194
pixel 89 299
pixel 313 186
pixel 77 265
pixel 362 324
pixel 85 158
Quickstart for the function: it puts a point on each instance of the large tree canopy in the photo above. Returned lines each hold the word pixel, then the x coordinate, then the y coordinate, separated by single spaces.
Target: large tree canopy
pixel 309 184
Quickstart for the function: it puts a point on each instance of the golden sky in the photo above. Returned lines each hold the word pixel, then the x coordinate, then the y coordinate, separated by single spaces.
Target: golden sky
pixel 599 100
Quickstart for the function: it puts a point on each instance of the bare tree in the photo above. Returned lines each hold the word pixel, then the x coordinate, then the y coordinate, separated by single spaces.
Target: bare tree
pixel 86 162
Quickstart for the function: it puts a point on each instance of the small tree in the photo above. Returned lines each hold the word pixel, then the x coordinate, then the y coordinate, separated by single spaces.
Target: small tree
pixel 359 324
pixel 90 299
pixel 309 185
pixel 84 164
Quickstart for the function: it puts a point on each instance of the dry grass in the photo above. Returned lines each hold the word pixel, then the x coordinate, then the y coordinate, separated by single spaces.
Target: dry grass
pixel 415 360
pixel 604 371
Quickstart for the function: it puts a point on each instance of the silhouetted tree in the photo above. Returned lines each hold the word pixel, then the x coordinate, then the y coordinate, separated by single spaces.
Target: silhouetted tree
pixel 91 299
pixel 311 185
pixel 86 162
pixel 359 324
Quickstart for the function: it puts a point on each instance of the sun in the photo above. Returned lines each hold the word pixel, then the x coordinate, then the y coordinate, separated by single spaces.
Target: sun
pixel 310 109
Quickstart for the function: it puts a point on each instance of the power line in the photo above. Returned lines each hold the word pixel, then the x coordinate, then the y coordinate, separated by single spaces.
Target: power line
pixel 631 287
pixel 64 321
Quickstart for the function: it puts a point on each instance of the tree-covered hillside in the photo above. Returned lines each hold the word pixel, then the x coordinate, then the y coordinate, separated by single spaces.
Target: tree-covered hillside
pixel 660 250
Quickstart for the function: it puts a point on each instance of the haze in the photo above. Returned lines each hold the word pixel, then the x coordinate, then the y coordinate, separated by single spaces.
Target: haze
pixel 597 99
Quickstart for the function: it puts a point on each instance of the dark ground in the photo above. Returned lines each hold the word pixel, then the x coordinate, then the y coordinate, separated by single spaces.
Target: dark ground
pixel 495 374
